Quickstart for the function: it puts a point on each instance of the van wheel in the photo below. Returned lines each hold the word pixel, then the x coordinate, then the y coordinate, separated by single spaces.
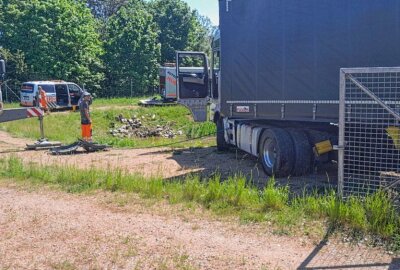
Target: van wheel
pixel 276 152
pixel 302 152
pixel 221 143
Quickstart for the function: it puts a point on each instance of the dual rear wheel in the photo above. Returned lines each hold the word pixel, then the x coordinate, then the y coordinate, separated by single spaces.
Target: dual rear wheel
pixel 285 152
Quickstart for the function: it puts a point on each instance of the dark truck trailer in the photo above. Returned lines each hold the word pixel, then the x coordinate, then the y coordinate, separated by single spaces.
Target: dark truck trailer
pixel 277 74
pixel 280 59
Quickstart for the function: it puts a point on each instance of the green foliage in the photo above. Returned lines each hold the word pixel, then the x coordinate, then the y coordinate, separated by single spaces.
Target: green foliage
pixel 374 214
pixel 103 9
pixel 201 129
pixel 174 19
pixel 200 34
pixel 132 50
pixel 381 214
pixel 112 47
pixel 275 198
pixel 16 65
pixel 180 28
pixel 57 37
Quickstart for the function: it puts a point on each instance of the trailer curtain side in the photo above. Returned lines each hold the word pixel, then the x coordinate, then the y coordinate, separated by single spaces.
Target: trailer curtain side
pixel 280 59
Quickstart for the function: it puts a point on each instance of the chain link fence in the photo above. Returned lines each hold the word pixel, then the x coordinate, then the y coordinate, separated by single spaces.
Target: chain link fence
pixel 369 138
pixel 125 87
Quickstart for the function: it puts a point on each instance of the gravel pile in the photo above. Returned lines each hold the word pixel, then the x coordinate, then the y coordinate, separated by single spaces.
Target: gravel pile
pixel 133 127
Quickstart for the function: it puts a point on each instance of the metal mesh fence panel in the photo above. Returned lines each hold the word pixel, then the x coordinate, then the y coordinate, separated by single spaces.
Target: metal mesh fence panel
pixel 369 130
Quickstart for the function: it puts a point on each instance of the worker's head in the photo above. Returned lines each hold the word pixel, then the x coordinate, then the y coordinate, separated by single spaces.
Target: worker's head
pixel 86 96
pixel 40 88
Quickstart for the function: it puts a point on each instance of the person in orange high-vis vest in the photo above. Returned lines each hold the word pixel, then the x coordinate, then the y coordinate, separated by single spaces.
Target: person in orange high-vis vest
pixel 43 100
pixel 86 121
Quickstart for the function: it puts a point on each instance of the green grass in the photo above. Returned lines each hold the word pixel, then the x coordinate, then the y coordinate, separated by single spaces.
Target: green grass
pixel 65 126
pixel 105 102
pixel 11 105
pixel 373 215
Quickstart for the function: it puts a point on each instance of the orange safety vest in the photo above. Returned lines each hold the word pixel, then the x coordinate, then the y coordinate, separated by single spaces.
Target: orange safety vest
pixel 43 101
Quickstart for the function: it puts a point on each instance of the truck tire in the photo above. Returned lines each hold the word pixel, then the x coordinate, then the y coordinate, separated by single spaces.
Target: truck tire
pixel 276 152
pixel 303 154
pixel 221 143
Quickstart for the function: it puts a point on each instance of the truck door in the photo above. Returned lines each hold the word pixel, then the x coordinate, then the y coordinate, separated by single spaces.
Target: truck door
pixel 74 93
pixel 193 83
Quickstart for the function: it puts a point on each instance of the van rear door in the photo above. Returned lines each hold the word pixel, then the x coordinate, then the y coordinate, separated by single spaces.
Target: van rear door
pixel 193 83
pixel 27 95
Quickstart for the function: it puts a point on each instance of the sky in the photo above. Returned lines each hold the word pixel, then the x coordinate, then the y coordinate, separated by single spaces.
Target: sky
pixel 208 8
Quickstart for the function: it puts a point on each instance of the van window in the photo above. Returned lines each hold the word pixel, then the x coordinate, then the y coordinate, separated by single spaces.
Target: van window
pixel 48 88
pixel 73 89
pixel 27 88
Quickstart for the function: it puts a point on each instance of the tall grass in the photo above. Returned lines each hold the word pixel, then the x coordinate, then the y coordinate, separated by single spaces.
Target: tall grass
pixel 201 129
pixel 373 214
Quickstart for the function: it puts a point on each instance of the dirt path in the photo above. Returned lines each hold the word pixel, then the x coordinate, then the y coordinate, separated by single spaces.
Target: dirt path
pixel 44 229
pixel 167 163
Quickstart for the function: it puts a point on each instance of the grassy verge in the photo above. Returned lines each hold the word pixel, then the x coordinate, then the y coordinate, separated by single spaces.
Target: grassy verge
pixel 65 126
pixel 11 105
pixel 373 215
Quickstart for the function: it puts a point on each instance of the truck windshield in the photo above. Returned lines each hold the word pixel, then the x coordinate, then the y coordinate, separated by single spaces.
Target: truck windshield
pixel 27 88
pixel 48 88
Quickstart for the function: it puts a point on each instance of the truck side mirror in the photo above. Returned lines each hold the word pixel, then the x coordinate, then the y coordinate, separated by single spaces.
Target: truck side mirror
pixel 2 67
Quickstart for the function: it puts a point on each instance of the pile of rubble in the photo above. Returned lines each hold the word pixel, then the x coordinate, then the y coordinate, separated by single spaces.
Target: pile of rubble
pixel 133 127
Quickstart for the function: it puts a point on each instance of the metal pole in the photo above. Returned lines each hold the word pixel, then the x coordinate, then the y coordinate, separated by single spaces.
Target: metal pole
pixel 1 98
pixel 41 127
pixel 40 117
pixel 131 88
pixel 342 108
pixel 6 93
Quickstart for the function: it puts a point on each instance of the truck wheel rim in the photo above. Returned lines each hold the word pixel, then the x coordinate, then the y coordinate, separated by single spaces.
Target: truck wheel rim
pixel 269 154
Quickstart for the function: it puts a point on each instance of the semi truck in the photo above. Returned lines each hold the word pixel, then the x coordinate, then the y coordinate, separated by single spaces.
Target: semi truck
pixel 273 85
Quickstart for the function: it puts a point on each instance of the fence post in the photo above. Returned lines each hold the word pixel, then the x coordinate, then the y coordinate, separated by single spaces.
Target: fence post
pixel 6 92
pixel 131 88
pixel 341 146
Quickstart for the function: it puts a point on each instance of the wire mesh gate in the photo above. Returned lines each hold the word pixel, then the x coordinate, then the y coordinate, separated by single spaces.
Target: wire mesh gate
pixel 369 131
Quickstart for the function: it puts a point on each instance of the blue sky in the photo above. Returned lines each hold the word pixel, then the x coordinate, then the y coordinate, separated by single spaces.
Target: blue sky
pixel 208 8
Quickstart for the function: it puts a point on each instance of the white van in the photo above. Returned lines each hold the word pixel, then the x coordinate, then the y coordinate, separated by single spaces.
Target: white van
pixel 59 94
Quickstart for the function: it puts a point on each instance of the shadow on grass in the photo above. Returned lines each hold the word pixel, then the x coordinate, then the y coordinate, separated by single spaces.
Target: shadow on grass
pixel 208 161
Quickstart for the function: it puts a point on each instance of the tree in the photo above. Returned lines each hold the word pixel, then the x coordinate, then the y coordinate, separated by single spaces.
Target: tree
pixel 132 50
pixel 174 20
pixel 16 71
pixel 16 66
pixel 103 9
pixel 57 37
pixel 200 33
